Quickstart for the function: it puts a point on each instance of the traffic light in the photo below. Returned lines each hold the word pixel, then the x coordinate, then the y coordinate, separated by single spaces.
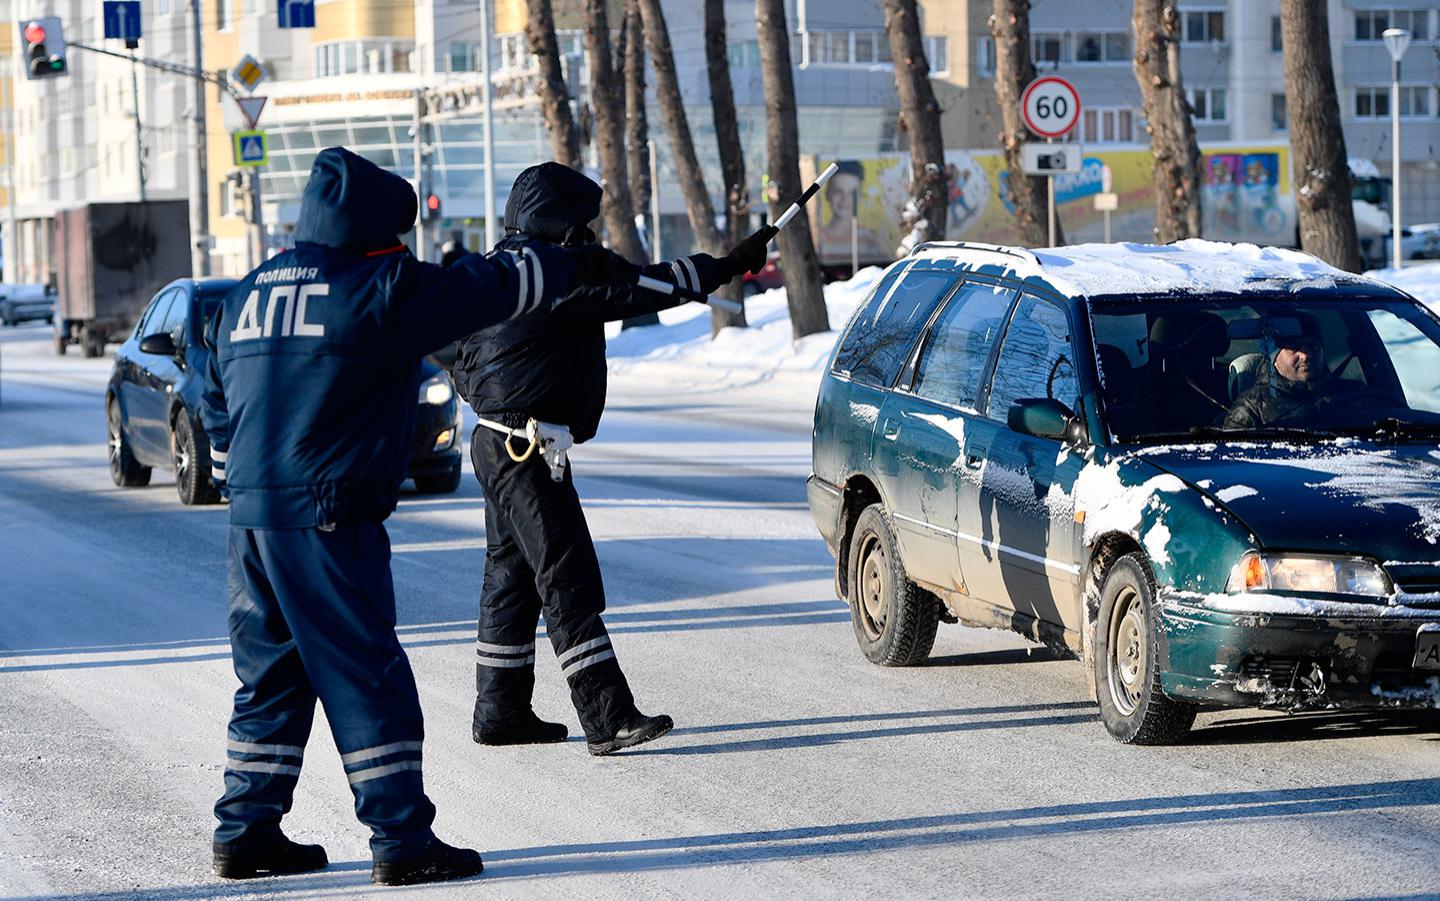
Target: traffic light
pixel 44 42
pixel 432 207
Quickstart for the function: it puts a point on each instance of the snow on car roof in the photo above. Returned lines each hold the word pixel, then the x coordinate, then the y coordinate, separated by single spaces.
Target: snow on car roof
pixel 1186 267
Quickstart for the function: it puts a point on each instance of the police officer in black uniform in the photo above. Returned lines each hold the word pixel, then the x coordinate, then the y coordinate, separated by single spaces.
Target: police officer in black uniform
pixel 539 554
pixel 309 405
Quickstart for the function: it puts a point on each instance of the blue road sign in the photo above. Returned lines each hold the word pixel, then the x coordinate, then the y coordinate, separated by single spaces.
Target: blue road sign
pixel 297 13
pixel 122 19
pixel 251 148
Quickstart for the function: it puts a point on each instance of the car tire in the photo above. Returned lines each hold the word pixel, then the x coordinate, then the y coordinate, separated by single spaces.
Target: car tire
pixel 1127 673
pixel 447 482
pixel 91 344
pixel 125 470
pixel 894 619
pixel 190 451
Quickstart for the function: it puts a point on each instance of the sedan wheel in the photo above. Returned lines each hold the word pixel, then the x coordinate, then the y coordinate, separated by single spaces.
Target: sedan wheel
pixel 894 619
pixel 191 453
pixel 125 470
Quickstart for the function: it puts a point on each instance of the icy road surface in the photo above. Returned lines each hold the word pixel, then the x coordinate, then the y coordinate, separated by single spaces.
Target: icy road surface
pixel 797 768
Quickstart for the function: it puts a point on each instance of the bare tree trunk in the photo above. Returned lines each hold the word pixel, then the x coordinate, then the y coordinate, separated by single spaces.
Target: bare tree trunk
pixel 1014 69
pixel 1156 25
pixel 1317 142
pixel 698 205
pixel 732 155
pixel 637 127
pixel 920 117
pixel 554 97
pixel 617 210
pixel 803 290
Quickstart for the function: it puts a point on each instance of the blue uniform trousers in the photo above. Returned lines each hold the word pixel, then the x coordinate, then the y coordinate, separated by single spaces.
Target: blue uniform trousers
pixel 312 615
pixel 539 557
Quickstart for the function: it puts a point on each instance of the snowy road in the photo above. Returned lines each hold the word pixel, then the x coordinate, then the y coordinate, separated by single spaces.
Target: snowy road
pixel 796 769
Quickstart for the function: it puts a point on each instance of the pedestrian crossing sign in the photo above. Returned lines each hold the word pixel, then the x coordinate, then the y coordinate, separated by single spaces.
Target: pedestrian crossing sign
pixel 251 149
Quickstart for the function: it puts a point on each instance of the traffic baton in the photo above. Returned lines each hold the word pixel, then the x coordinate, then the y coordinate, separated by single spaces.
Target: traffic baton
pixel 798 205
pixel 659 286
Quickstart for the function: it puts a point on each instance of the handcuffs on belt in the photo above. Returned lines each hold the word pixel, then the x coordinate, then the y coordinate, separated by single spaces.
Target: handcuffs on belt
pixel 551 439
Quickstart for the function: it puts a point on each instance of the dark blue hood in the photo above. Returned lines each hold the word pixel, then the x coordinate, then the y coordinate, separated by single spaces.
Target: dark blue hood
pixel 353 204
pixel 549 199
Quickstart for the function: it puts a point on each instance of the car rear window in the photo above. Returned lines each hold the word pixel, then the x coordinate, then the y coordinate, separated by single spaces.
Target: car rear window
pixel 886 328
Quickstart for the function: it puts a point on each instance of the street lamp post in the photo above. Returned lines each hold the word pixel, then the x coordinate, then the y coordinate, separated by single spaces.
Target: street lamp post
pixel 1396 41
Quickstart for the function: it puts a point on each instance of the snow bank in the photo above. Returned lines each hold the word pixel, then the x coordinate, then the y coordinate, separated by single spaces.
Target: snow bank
pixel 1423 281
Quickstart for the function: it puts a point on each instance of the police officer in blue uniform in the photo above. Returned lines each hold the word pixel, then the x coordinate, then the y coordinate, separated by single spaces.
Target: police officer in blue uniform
pixel 309 406
pixel 539 555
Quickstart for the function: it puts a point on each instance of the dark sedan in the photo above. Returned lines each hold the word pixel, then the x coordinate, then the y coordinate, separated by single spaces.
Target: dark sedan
pixel 152 401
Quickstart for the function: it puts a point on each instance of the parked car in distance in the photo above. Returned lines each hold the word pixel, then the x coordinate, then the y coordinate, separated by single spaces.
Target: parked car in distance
pixel 152 401
pixel 1117 451
pixel 23 303
pixel 769 277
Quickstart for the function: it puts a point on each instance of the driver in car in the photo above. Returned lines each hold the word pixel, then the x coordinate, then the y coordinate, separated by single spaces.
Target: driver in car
pixel 1292 383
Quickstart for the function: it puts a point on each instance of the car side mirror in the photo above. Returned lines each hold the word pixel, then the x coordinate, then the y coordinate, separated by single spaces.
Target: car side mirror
pixel 160 344
pixel 1043 417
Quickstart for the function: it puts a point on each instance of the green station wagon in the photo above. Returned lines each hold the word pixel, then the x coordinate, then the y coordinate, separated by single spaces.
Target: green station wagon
pixel 1210 471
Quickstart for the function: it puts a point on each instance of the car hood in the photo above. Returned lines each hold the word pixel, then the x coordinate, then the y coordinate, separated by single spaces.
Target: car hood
pixel 1377 500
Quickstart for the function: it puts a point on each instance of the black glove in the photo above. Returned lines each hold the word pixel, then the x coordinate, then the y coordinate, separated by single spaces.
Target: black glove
pixel 749 255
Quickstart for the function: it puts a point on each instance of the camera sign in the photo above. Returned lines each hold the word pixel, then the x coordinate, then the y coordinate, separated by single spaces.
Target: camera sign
pixel 1048 159
pixel 1051 106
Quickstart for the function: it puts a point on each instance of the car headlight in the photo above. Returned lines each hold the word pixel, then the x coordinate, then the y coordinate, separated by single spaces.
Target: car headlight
pixel 436 390
pixel 1307 574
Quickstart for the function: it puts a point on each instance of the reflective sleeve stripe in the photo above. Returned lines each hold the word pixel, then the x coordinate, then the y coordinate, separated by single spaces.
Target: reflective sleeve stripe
pixel 217 456
pixel 217 476
pixel 694 276
pixel 504 648
pixel 376 772
pixel 522 301
pixel 249 747
pixel 582 648
pixel 681 278
pixel 576 666
pixel 395 747
pixel 261 766
pixel 538 294
pixel 505 662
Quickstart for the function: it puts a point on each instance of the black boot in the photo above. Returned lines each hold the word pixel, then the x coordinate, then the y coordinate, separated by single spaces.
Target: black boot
pixel 273 857
pixel 437 863
pixel 529 731
pixel 635 731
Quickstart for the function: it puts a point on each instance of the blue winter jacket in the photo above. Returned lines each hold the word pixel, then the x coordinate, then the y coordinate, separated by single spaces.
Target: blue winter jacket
pixel 309 399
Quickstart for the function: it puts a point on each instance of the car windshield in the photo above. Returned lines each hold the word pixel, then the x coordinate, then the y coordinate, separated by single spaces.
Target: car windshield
pixel 1268 368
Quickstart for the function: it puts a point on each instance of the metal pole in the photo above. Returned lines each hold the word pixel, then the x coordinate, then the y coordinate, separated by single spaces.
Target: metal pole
pixel 1050 197
pixel 1107 226
pixel 199 177
pixel 1395 163
pixel 419 177
pixel 487 134
pixel 654 205
pixel 257 218
pixel 12 240
pixel 854 231
pixel 139 137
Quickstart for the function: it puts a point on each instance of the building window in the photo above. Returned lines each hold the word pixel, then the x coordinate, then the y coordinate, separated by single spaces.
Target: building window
pixel 1278 116
pixel 222 15
pixel 1209 104
pixel 1107 125
pixel 849 48
pixel 162 7
pixel 372 56
pixel 1277 40
pixel 1203 26
pixel 1370 24
pixel 937 54
pixel 985 56
pixel 1049 47
pixel 1102 47
pixel 1374 102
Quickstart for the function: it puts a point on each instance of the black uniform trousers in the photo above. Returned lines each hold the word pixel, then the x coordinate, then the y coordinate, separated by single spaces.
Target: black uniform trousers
pixel 539 558
pixel 312 616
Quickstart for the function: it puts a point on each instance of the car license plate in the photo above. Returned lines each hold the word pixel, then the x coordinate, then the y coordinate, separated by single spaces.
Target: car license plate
pixel 1427 648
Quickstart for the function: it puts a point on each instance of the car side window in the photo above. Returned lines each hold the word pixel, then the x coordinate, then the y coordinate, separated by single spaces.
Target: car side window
pixel 880 338
pixel 1036 359
pixel 175 317
pixel 153 315
pixel 953 362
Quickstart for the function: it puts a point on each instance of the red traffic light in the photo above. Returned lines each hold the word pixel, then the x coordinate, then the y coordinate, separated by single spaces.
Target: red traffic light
pixel 432 202
pixel 34 33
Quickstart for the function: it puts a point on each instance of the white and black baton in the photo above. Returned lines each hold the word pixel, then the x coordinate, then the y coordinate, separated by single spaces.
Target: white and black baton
pixel 660 286
pixel 811 191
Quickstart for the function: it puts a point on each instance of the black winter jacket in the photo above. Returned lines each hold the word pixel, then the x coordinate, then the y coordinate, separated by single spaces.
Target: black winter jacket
pixel 1276 400
pixel 553 368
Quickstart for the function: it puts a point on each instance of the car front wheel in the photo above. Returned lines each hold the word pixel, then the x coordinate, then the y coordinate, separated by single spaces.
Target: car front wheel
pixel 894 619
pixel 192 464
pixel 125 470
pixel 1127 672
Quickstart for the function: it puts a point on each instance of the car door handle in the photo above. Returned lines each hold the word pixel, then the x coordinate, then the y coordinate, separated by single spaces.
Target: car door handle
pixel 975 457
pixel 890 431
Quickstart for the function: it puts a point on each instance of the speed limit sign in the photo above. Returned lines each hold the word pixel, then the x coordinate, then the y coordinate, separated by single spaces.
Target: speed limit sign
pixel 1051 106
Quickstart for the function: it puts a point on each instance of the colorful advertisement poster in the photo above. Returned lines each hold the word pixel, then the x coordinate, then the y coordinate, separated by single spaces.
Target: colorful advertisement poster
pixel 1245 197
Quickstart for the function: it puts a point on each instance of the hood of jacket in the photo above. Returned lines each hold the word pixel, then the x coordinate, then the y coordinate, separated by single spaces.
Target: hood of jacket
pixel 352 204
pixel 548 200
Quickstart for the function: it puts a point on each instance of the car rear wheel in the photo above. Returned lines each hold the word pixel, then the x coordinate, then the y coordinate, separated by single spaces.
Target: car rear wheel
pixel 125 470
pixel 1127 672
pixel 894 619
pixel 191 454
pixel 447 482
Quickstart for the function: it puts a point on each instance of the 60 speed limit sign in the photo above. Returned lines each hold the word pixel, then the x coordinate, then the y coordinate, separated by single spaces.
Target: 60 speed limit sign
pixel 1051 106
